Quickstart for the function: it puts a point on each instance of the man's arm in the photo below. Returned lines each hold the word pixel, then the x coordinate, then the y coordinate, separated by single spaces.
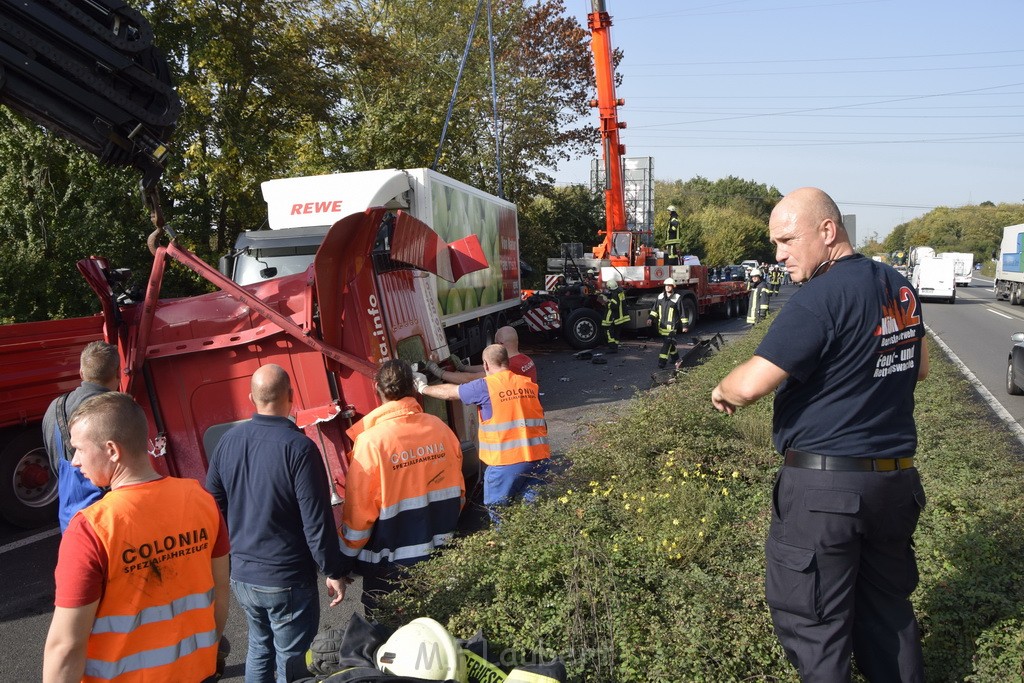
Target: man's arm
pixel 747 383
pixel 445 392
pixel 64 655
pixel 221 592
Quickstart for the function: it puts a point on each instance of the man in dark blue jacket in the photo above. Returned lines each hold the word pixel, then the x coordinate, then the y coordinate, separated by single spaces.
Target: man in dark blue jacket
pixel 269 480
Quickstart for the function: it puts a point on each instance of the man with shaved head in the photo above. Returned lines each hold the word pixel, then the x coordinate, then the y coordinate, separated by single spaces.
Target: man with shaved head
pixel 269 479
pixel 843 357
pixel 513 434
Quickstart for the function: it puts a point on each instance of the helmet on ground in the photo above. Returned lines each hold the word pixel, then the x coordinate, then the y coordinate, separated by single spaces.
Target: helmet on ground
pixel 756 272
pixel 669 281
pixel 611 284
pixel 671 208
pixel 422 649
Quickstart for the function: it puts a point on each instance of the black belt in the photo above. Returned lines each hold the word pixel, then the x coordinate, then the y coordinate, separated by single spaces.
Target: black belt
pixel 813 461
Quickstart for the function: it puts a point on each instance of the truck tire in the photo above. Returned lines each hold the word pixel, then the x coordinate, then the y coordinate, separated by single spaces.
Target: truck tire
pixel 1014 294
pixel 28 489
pixel 690 311
pixel 583 329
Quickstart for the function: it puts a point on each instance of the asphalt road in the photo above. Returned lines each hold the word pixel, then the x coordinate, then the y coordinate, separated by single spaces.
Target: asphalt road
pixel 575 393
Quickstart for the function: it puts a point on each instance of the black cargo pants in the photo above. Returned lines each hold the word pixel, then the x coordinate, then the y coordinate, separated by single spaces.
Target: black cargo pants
pixel 840 571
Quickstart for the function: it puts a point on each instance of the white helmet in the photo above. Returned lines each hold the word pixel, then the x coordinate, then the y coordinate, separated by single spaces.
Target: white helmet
pixel 669 281
pixel 422 649
pixel 756 272
pixel 671 208
pixel 611 284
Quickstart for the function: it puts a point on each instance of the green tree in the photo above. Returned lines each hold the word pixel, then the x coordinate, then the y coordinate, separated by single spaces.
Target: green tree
pixel 397 100
pixel 561 214
pixel 727 233
pixel 59 204
pixel 692 197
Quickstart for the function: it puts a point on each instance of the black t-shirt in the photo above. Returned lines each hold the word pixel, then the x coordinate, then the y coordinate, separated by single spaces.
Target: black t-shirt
pixel 850 340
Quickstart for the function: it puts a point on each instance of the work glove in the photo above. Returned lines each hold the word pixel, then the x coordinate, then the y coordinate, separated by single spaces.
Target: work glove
pixel 457 362
pixel 434 369
pixel 324 654
pixel 419 380
pixel 223 650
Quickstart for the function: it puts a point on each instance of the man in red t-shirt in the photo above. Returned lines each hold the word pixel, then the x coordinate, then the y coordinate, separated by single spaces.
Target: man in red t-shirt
pixel 128 562
pixel 519 363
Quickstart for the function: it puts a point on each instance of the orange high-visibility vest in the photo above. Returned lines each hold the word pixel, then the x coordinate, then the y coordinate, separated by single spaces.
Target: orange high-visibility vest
pixel 516 431
pixel 155 620
pixel 404 489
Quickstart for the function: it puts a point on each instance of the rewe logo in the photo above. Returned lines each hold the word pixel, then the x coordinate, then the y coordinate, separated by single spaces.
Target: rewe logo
pixel 316 207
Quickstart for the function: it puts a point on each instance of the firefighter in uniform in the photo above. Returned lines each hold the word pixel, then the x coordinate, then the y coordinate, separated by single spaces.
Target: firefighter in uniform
pixel 615 315
pixel 775 279
pixel 672 241
pixel 669 316
pixel 757 296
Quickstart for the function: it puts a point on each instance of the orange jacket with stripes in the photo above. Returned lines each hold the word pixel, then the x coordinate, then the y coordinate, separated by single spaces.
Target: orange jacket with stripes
pixel 155 621
pixel 516 431
pixel 404 490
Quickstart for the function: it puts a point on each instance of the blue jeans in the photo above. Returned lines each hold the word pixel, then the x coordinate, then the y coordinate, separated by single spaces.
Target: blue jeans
pixel 282 623
pixel 504 483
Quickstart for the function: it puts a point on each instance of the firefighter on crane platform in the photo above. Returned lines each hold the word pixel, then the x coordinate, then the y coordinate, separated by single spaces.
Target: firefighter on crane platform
pixel 669 316
pixel 672 239
pixel 615 315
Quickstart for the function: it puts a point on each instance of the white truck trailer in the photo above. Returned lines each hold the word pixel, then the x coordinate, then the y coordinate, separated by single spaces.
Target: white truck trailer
pixel 963 266
pixel 1009 273
pixel 301 210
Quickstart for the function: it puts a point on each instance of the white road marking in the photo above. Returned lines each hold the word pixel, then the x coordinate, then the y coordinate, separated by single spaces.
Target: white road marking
pixel 991 400
pixel 992 310
pixel 29 541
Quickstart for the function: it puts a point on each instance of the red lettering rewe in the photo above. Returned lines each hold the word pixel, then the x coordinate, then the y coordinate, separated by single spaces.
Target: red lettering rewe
pixel 331 206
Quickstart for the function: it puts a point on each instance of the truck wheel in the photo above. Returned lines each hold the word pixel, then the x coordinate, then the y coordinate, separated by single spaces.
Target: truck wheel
pixel 1014 295
pixel 690 311
pixel 486 332
pixel 583 329
pixel 28 488
pixel 1011 380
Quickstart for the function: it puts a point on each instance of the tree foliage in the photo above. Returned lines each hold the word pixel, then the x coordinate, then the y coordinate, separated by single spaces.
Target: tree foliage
pixel 735 200
pixel 278 88
pixel 561 214
pixel 974 228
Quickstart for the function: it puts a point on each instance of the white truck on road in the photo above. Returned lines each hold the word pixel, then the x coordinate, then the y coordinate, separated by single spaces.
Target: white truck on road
pixel 1009 274
pixel 963 266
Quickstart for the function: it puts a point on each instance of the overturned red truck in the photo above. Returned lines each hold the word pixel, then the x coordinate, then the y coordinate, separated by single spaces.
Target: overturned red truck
pixel 369 293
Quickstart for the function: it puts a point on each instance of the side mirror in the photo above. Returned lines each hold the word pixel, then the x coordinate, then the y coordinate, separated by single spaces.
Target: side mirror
pixel 226 265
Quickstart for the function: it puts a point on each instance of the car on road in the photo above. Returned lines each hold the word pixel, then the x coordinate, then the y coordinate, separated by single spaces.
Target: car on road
pixel 1015 366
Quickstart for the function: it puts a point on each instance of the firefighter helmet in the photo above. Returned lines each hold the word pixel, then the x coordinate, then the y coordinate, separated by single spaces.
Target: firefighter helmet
pixel 755 272
pixel 669 281
pixel 611 284
pixel 671 208
pixel 422 649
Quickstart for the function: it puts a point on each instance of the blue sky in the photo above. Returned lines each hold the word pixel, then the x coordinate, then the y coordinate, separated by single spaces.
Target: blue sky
pixel 893 107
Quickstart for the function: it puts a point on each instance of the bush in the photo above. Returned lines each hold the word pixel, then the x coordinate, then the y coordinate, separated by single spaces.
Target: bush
pixel 644 561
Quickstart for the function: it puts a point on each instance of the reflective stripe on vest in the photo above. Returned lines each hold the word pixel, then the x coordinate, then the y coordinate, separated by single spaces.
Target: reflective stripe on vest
pixel 151 615
pixel 404 505
pixel 155 619
pixel 149 659
pixel 516 431
pixel 402 554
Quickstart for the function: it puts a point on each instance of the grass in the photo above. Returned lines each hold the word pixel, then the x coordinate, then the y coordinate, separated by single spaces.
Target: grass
pixel 644 560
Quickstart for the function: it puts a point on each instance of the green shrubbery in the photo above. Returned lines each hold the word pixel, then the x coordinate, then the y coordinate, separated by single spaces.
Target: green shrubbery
pixel 644 561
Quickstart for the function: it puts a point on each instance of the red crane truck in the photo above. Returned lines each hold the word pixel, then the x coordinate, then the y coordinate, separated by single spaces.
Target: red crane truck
pixel 626 255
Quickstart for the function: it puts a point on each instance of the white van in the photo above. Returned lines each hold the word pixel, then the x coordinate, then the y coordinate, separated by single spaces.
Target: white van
pixel 935 278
